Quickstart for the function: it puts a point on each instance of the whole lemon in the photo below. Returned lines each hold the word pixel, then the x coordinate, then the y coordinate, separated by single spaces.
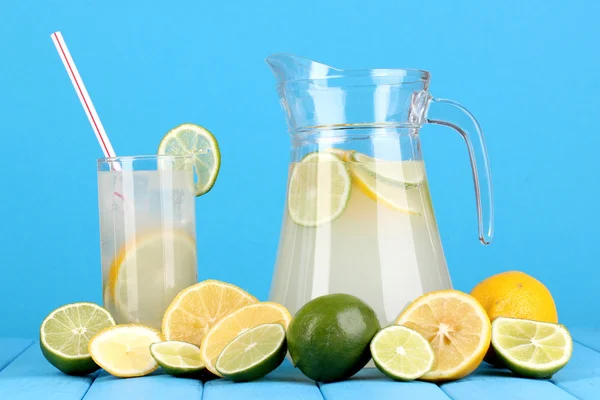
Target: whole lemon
pixel 517 295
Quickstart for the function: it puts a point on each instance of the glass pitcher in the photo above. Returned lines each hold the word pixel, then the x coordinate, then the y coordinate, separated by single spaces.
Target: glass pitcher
pixel 359 218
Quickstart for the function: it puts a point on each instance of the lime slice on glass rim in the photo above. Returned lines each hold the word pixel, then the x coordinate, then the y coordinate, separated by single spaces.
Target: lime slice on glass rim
pixel 530 348
pixel 191 139
pixel 178 358
pixel 319 189
pixel 66 332
pixel 402 353
pixel 253 354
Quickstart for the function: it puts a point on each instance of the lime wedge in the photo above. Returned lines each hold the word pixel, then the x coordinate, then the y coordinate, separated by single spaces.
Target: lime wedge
pixel 65 333
pixel 407 173
pixel 531 348
pixel 141 265
pixel 253 354
pixel 402 353
pixel 199 142
pixel 319 189
pixel 178 358
pixel 398 196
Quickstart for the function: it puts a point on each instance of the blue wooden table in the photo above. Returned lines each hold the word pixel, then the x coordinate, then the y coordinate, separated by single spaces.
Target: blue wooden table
pixel 25 374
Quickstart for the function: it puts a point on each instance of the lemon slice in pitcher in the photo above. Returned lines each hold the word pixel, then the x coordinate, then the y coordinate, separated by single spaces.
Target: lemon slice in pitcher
pixel 199 142
pixel 407 173
pixel 319 189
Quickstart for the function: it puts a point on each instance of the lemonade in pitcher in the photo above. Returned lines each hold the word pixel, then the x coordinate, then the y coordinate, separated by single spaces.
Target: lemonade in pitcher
pixel 349 217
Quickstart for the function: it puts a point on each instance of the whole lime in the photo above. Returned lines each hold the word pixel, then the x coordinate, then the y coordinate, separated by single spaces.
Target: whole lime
pixel 329 337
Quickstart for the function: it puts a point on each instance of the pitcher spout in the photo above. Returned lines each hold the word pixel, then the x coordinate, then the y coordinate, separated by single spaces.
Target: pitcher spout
pixel 288 67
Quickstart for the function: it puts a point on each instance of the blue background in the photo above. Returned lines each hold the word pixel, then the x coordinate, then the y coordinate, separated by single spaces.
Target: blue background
pixel 528 71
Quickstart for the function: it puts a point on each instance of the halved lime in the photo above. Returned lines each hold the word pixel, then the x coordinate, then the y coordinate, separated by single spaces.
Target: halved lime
pixel 199 142
pixel 65 333
pixel 178 358
pixel 319 189
pixel 531 348
pixel 253 354
pixel 402 353
pixel 407 173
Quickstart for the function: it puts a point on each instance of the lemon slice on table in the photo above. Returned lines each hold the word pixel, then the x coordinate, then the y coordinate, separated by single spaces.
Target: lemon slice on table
pixel 66 332
pixel 319 189
pixel 530 348
pixel 237 323
pixel 456 326
pixel 193 139
pixel 402 353
pixel 149 269
pixel 253 354
pixel 199 307
pixel 178 358
pixel 124 350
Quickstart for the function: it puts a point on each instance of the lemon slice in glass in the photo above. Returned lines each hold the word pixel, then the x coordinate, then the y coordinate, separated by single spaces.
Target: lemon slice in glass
pixel 193 139
pixel 142 276
pixel 319 189
pixel 407 173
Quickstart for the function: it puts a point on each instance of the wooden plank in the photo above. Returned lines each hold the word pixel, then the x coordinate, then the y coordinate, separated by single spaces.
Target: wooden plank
pixel 30 376
pixel 157 386
pixel 10 349
pixel 581 376
pixel 285 383
pixel 499 384
pixel 372 384
pixel 589 337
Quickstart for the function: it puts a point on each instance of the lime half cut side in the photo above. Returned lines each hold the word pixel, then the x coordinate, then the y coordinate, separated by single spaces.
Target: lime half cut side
pixel 530 348
pixel 319 189
pixel 253 354
pixel 191 139
pixel 402 353
pixel 178 358
pixel 66 332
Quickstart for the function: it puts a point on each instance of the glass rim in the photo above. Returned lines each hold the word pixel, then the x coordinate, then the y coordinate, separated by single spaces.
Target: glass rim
pixel 146 157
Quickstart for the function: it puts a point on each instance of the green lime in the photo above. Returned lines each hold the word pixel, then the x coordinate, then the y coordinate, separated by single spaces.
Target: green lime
pixel 530 348
pixel 199 142
pixel 319 189
pixel 65 333
pixel 253 354
pixel 329 337
pixel 402 353
pixel 178 358
pixel 407 173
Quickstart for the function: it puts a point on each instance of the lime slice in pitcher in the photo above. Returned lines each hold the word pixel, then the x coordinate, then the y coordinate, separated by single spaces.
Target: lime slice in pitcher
pixel 406 173
pixel 319 189
pixel 199 142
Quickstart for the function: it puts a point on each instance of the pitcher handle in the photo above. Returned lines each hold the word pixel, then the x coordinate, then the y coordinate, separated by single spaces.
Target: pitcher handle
pixel 482 176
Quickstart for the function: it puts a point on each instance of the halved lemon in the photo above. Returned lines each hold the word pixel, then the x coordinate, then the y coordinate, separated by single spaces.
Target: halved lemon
pixel 456 326
pixel 237 323
pixel 199 307
pixel 319 189
pixel 149 269
pixel 124 350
